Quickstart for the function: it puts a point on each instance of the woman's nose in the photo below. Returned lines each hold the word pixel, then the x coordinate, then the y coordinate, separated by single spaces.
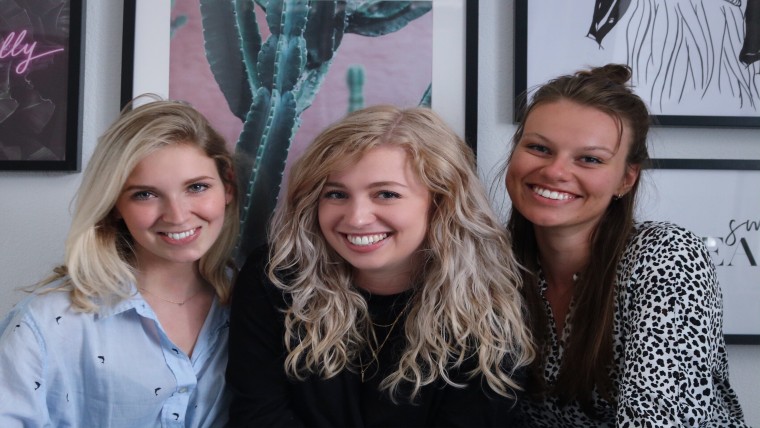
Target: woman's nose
pixel 556 169
pixel 360 213
pixel 175 210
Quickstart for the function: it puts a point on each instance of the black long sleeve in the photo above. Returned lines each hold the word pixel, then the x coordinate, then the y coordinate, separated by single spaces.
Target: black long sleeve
pixel 265 396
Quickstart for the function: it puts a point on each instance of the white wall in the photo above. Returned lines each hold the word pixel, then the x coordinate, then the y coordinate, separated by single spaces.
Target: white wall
pixel 34 207
pixel 495 128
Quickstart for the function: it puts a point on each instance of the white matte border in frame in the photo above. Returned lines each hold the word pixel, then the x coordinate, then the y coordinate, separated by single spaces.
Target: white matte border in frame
pixel 147 65
pixel 722 206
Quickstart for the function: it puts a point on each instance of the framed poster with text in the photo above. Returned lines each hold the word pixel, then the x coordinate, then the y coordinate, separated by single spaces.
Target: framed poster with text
pixel 719 200
pixel 41 72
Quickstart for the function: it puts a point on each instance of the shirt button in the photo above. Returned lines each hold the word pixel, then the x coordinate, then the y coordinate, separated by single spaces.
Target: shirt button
pixel 182 390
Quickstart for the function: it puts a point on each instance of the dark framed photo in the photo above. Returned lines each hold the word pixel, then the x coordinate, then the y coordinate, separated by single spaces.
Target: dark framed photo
pixel 695 66
pixel 41 68
pixel 405 53
pixel 716 199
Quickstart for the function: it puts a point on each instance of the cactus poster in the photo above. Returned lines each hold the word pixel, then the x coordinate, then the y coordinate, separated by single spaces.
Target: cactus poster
pixel 270 75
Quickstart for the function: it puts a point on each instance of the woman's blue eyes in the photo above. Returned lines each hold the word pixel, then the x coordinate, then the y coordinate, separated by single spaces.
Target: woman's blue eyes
pixel 388 195
pixel 591 159
pixel 537 147
pixel 143 195
pixel 198 187
pixel 334 195
pixel 545 150
pixel 384 194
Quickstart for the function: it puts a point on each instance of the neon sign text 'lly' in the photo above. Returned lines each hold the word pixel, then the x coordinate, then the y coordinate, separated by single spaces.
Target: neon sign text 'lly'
pixel 15 45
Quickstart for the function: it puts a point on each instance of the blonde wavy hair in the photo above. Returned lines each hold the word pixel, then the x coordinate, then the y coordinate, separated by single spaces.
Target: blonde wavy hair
pixel 467 301
pixel 99 259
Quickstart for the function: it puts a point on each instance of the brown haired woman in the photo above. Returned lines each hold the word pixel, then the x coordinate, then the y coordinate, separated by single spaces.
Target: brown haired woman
pixel 627 316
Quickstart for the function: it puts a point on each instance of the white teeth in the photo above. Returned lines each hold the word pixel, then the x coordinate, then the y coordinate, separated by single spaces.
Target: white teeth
pixel 181 235
pixel 366 239
pixel 550 194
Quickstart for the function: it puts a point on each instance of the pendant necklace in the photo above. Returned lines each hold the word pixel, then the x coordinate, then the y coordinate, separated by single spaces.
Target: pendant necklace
pixel 376 352
pixel 145 290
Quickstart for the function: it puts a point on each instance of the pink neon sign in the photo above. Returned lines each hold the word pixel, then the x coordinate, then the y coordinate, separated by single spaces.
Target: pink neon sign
pixel 14 45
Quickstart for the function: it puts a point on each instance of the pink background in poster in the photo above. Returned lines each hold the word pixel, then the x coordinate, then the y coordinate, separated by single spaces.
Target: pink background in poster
pixel 397 67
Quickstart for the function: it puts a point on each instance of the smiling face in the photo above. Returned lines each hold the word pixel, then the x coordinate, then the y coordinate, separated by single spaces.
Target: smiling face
pixel 374 213
pixel 173 204
pixel 568 166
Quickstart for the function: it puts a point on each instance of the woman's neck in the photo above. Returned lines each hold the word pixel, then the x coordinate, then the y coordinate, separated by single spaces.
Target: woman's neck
pixel 174 279
pixel 562 256
pixel 383 284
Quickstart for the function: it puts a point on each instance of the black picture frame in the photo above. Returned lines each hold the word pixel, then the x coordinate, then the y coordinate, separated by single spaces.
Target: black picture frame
pixel 470 104
pixel 472 26
pixel 713 100
pixel 41 113
pixel 690 192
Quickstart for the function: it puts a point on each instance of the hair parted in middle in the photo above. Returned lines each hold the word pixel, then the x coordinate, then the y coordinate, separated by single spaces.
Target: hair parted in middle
pixel 466 300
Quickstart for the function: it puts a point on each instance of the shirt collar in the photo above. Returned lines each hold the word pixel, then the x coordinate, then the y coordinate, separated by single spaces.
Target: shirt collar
pixel 108 307
pixel 218 316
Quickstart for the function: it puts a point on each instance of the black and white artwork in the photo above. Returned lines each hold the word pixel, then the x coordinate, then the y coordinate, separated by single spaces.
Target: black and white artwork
pixel 695 62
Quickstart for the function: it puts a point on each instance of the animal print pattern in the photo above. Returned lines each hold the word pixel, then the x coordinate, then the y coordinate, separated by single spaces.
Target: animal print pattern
pixel 670 365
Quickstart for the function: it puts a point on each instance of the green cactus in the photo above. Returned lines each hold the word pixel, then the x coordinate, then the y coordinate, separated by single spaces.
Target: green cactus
pixel 268 84
pixel 355 82
pixel 177 22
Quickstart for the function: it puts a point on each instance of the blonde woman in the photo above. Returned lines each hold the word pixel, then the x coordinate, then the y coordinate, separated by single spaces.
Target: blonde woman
pixel 131 331
pixel 388 296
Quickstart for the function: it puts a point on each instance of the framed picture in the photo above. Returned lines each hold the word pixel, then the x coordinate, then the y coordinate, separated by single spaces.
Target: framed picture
pixel 146 62
pixel 41 71
pixel 404 53
pixel 710 198
pixel 692 66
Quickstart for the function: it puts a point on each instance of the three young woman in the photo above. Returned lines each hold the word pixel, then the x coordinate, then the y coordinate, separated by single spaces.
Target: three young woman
pixel 388 295
pixel 131 331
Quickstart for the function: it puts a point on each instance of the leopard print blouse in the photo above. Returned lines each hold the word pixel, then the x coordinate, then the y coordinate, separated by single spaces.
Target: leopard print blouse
pixel 670 366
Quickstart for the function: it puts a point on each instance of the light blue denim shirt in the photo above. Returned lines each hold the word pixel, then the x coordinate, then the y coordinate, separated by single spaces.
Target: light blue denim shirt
pixel 113 368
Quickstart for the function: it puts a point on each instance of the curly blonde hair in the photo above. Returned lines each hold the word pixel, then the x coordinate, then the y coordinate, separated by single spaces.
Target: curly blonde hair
pixel 99 259
pixel 467 301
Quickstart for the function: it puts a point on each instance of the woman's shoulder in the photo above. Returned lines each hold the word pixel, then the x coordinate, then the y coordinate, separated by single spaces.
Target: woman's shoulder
pixel 50 297
pixel 657 235
pixel 665 253
pixel 42 307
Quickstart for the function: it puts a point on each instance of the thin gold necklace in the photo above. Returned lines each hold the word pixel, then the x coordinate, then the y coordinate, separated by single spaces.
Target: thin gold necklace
pixel 376 352
pixel 171 301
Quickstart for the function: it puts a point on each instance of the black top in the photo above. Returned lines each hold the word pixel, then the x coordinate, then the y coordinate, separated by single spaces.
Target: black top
pixel 265 396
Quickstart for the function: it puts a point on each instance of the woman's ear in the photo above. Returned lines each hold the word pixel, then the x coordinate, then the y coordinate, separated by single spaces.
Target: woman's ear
pixel 229 189
pixel 629 178
pixel 228 194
